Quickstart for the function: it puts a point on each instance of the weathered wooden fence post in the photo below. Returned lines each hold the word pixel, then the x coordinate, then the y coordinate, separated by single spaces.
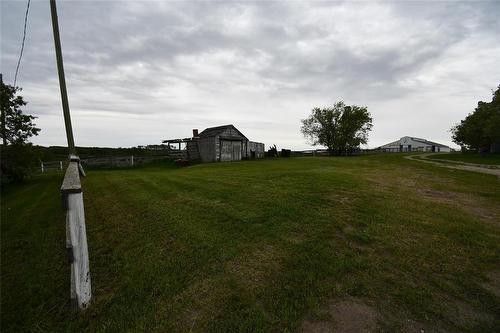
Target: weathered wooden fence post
pixel 132 160
pixel 76 235
pixel 60 165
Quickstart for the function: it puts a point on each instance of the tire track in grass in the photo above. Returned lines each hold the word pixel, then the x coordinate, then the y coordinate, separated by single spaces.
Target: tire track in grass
pixel 463 167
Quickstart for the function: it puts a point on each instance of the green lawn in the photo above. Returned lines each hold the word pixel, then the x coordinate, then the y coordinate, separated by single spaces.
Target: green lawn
pixel 270 245
pixel 489 159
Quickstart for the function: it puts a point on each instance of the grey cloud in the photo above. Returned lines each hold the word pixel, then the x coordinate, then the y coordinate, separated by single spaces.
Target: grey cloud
pixel 203 61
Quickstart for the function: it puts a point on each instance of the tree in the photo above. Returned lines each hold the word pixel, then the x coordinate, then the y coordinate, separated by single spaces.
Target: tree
pixel 17 154
pixel 17 127
pixel 341 128
pixel 480 130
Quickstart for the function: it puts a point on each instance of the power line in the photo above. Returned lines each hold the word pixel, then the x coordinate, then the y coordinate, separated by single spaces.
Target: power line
pixel 22 45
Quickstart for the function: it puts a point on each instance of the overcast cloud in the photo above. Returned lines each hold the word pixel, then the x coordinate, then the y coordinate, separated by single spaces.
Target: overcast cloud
pixel 142 71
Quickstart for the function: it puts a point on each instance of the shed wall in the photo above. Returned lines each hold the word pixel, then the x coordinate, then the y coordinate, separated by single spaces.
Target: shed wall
pixel 207 149
pixel 256 147
pixel 230 145
pixel 232 133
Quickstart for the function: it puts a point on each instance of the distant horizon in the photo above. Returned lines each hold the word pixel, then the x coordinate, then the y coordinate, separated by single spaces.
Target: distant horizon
pixel 266 145
pixel 141 72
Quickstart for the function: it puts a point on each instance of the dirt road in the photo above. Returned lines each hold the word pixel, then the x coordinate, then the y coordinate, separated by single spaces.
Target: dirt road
pixel 488 169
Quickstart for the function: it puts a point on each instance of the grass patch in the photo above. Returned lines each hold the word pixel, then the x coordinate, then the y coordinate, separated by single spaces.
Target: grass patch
pixel 258 246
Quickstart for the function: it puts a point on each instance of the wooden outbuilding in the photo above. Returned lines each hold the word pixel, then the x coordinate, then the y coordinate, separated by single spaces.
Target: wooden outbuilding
pixel 220 143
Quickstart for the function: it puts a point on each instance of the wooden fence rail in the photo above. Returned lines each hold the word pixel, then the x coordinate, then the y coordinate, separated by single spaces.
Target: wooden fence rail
pixel 121 161
pixel 104 161
pixel 52 165
pixel 324 152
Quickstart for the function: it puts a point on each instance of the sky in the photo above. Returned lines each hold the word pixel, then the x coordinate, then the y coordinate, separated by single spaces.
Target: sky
pixel 138 72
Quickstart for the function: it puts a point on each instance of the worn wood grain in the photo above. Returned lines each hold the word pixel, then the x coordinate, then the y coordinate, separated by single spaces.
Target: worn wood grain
pixel 76 242
pixel 71 182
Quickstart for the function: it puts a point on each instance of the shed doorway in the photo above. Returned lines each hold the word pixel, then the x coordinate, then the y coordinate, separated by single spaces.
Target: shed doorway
pixel 230 150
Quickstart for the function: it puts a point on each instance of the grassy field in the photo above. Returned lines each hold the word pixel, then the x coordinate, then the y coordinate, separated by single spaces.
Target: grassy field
pixel 489 159
pixel 302 244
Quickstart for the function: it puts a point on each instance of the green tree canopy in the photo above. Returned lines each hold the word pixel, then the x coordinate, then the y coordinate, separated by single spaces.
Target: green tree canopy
pixel 16 127
pixel 480 130
pixel 18 156
pixel 341 128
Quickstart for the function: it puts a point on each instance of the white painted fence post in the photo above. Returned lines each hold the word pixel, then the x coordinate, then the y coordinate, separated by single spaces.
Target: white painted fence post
pixel 60 165
pixel 41 164
pixel 76 235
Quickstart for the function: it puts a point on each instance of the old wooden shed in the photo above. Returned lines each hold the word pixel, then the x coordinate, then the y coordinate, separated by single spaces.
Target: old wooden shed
pixel 220 143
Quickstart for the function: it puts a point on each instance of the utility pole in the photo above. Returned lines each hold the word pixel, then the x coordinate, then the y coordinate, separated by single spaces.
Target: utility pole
pixel 4 105
pixel 62 80
pixel 72 195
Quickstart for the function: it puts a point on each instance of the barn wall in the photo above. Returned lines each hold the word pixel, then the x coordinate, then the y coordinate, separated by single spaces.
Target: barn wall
pixel 415 145
pixel 257 147
pixel 193 152
pixel 207 149
pixel 217 148
pixel 231 132
pixel 231 150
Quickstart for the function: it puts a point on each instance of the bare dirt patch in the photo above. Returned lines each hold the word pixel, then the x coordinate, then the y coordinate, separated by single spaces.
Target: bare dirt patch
pixel 466 316
pixel 340 198
pixel 346 316
pixel 412 326
pixel 317 327
pixel 419 182
pixel 467 202
pixel 462 314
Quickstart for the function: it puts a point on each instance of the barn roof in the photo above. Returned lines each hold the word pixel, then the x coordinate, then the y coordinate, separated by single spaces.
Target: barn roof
pixel 214 131
pixel 424 141
pixel 427 142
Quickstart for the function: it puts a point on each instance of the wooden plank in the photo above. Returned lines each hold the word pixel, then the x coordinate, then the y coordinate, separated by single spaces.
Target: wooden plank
pixel 71 182
pixel 80 169
pixel 76 234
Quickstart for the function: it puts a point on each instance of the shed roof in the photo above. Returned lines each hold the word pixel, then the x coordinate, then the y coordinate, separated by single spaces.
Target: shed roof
pixel 214 131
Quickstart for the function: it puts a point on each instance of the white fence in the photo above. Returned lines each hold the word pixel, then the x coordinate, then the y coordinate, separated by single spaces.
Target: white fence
pixel 76 235
pixel 53 165
pixel 104 161
pixel 121 161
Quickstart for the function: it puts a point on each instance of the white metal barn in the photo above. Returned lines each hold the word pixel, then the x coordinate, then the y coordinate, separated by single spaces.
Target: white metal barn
pixel 408 143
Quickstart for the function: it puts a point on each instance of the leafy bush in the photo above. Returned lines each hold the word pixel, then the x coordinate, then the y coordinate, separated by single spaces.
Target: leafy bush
pixel 17 162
